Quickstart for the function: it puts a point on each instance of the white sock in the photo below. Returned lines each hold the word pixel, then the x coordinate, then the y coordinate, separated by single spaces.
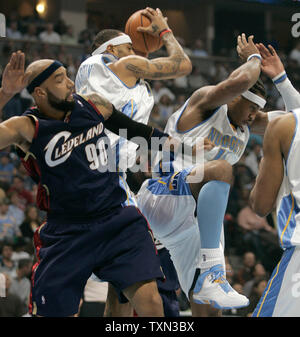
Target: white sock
pixel 210 257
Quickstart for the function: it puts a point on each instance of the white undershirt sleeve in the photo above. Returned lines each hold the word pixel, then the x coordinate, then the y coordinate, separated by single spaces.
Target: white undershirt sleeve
pixel 289 94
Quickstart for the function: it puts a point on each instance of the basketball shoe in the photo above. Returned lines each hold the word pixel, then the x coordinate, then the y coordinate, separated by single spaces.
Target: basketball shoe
pixel 213 288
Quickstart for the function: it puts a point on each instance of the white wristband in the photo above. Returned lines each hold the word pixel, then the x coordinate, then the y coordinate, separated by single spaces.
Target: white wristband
pixel 253 55
pixel 279 78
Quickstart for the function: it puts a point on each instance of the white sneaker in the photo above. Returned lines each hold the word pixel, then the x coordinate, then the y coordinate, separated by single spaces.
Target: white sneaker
pixel 213 288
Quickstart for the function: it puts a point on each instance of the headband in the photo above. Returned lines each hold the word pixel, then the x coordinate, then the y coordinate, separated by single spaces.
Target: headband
pixel 37 81
pixel 121 39
pixel 250 96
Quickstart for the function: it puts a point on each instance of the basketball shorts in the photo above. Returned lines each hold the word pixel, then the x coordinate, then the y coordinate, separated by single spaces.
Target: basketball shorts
pixel 170 303
pixel 169 207
pixel 171 282
pixel 281 297
pixel 168 287
pixel 117 248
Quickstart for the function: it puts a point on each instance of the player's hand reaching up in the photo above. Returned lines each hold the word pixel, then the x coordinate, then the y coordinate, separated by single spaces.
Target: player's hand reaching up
pixel 13 78
pixel 271 64
pixel 158 22
pixel 245 47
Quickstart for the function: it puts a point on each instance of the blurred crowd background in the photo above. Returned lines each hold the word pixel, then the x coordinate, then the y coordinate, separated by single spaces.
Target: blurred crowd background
pixel 252 249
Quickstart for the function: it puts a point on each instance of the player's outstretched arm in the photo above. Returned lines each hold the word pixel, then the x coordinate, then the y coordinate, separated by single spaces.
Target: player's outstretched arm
pixel 277 140
pixel 17 131
pixel 274 69
pixel 116 121
pixel 272 66
pixel 13 78
pixel 239 81
pixel 176 64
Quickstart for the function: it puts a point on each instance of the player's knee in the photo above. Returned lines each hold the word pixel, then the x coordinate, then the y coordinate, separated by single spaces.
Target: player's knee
pixel 224 171
pixel 154 301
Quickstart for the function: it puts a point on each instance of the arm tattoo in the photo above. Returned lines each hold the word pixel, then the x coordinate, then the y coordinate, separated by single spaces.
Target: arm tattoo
pixel 159 67
pixel 100 101
pixel 164 67
pixel 154 28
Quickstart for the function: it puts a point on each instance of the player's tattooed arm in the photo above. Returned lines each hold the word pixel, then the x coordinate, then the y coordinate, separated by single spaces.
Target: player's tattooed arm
pixel 158 22
pixel 100 103
pixel 176 64
pixel 161 68
pixel 116 121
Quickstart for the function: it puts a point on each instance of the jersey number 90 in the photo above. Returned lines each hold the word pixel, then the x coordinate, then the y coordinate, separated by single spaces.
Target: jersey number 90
pixel 94 159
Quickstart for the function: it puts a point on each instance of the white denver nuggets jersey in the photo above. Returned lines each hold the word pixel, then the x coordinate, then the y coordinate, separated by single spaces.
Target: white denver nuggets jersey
pixel 136 102
pixel 288 200
pixel 230 143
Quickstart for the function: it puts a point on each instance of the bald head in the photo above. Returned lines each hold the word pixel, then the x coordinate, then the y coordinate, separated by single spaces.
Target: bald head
pixel 37 67
pixel 40 71
pixel 50 87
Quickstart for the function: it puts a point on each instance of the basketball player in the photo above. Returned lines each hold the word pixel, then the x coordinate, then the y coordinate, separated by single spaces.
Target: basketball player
pixel 279 190
pixel 224 114
pixel 117 73
pixel 281 150
pixel 88 227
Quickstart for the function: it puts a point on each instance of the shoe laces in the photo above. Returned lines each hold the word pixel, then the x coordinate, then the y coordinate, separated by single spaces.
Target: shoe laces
pixel 218 277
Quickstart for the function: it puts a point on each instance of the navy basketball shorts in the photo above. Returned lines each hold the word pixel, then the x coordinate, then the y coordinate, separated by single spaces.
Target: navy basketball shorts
pixel 170 303
pixel 117 248
pixel 167 288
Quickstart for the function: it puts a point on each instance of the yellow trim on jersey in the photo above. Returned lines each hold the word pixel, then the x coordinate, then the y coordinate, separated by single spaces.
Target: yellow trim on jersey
pixel 233 127
pixel 41 226
pixel 170 185
pixel 47 189
pixel 263 301
pixel 29 154
pixel 288 220
pixel 34 309
pixel 33 116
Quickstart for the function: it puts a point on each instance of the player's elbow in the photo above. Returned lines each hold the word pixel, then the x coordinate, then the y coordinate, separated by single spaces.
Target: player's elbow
pixel 182 64
pixel 260 206
pixel 187 66
pixel 261 210
pixel 245 81
pixel 240 83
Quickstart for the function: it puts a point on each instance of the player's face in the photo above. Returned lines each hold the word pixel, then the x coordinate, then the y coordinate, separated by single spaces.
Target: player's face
pixel 243 112
pixel 123 50
pixel 61 85
pixel 60 89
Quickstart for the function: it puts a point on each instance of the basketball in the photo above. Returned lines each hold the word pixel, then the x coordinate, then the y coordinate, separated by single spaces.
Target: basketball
pixel 142 42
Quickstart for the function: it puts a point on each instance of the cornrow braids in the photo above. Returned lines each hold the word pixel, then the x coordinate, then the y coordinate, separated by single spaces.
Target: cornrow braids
pixel 259 88
pixel 103 36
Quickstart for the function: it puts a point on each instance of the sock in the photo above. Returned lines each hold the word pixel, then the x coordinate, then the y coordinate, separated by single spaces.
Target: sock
pixel 211 208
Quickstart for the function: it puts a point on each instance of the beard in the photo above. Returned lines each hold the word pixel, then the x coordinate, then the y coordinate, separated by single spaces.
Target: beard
pixel 60 104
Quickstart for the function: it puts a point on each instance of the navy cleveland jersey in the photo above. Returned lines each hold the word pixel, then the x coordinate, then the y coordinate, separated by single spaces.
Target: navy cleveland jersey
pixel 68 159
